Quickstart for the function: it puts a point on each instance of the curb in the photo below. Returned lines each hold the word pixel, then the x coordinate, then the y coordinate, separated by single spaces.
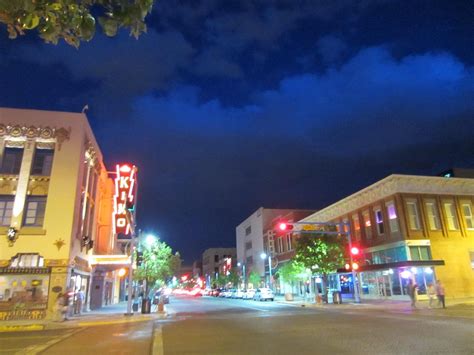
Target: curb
pixel 76 323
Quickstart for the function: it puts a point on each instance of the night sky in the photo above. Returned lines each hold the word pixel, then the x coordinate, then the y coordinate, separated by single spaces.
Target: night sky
pixel 226 106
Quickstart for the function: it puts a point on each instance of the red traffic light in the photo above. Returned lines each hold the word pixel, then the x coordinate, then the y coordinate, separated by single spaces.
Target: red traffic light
pixel 355 251
pixel 283 226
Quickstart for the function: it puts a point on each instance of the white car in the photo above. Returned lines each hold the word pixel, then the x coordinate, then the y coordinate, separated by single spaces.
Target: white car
pixel 238 294
pixel 263 294
pixel 248 294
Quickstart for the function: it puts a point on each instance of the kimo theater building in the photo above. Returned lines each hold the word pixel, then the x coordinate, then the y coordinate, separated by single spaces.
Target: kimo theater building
pixel 408 227
pixel 56 202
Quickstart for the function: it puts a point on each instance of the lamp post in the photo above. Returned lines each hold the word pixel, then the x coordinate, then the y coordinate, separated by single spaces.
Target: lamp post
pixel 244 275
pixel 264 256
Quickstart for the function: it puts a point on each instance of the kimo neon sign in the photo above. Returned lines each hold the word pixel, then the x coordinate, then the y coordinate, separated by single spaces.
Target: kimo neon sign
pixel 124 199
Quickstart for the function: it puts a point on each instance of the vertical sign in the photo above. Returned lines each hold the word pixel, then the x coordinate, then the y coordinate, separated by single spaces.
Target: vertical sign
pixel 124 200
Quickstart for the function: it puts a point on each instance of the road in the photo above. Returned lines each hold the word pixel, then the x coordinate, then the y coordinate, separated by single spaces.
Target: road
pixel 223 326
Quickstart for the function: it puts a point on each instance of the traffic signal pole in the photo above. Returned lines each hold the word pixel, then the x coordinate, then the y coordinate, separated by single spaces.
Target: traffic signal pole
pixel 355 279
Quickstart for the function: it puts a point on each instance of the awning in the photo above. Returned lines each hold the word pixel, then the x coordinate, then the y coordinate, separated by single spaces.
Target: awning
pixel 397 264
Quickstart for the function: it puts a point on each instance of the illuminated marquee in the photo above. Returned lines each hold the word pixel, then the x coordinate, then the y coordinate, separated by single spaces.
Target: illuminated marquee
pixel 124 198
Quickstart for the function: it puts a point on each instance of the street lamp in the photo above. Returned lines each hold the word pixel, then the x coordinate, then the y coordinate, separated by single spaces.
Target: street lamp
pixel 264 256
pixel 150 240
pixel 239 264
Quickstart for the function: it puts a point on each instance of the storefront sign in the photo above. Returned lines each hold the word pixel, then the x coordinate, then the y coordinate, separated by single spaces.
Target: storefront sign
pixel 124 200
pixel 23 315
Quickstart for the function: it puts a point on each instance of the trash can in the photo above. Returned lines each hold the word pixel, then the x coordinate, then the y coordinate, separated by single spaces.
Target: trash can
pixel 135 306
pixel 146 306
pixel 336 297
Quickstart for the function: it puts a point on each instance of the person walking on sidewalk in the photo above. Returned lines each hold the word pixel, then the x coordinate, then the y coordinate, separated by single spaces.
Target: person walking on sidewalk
pixel 79 301
pixel 440 293
pixel 411 288
pixel 431 291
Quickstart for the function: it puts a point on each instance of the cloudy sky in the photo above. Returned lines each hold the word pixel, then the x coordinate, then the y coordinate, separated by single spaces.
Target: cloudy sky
pixel 227 106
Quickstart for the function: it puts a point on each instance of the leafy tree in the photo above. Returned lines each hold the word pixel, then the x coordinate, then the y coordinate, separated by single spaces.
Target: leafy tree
pixel 292 271
pixel 233 278
pixel 159 264
pixel 73 20
pixel 255 279
pixel 220 281
pixel 321 253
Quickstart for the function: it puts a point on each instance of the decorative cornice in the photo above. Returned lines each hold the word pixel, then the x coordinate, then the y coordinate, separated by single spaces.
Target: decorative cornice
pixel 28 132
pixel 391 185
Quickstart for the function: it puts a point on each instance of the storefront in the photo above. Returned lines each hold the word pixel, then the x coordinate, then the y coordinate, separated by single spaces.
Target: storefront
pixel 24 288
pixel 391 280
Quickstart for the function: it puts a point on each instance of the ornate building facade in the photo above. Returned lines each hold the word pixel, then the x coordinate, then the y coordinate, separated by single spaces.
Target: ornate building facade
pixel 409 227
pixel 55 213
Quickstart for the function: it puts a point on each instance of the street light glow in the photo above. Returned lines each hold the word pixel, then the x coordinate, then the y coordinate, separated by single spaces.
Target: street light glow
pixel 239 264
pixel 263 256
pixel 150 240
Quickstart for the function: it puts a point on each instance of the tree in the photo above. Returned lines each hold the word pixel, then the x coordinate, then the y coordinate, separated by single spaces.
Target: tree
pixel 255 279
pixel 321 253
pixel 73 20
pixel 233 278
pixel 159 264
pixel 292 271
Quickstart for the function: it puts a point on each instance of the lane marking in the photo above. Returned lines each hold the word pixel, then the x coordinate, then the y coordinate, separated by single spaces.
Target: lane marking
pixel 157 348
pixel 36 349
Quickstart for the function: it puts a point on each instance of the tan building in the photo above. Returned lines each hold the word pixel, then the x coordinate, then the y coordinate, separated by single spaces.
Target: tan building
pixel 410 227
pixel 55 213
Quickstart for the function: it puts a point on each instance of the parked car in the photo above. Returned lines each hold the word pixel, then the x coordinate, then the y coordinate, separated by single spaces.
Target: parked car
pixel 238 294
pixel 216 292
pixel 223 293
pixel 230 293
pixel 248 294
pixel 263 294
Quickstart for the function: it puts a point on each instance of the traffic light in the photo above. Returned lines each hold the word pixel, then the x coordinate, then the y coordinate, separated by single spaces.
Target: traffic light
pixel 139 258
pixel 354 266
pixel 284 227
pixel 355 251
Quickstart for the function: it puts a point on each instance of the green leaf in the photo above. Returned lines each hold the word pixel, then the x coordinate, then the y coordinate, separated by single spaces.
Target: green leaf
pixel 30 21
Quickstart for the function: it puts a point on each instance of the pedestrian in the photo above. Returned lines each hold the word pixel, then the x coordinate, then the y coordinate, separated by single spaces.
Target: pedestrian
pixel 411 288
pixel 440 293
pixel 431 291
pixel 59 312
pixel 80 296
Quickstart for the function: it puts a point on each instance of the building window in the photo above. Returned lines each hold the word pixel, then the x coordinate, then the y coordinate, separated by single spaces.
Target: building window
pixel 248 245
pixel 433 215
pixel 288 242
pixel 280 244
pixel 420 253
pixel 216 258
pixel 42 162
pixel 34 211
pixel 6 209
pixel 467 212
pixel 451 218
pixel 392 217
pixel 346 225
pixel 379 221
pixel 355 220
pixel 367 224
pixel 413 216
pixel 249 260
pixel 27 260
pixel 248 230
pixel 11 162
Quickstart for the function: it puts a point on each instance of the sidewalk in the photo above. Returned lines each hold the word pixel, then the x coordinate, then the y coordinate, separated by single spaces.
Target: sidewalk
pixel 386 304
pixel 112 314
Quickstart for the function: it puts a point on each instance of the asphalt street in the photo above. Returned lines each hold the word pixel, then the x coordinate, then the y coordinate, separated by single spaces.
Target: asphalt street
pixel 223 326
